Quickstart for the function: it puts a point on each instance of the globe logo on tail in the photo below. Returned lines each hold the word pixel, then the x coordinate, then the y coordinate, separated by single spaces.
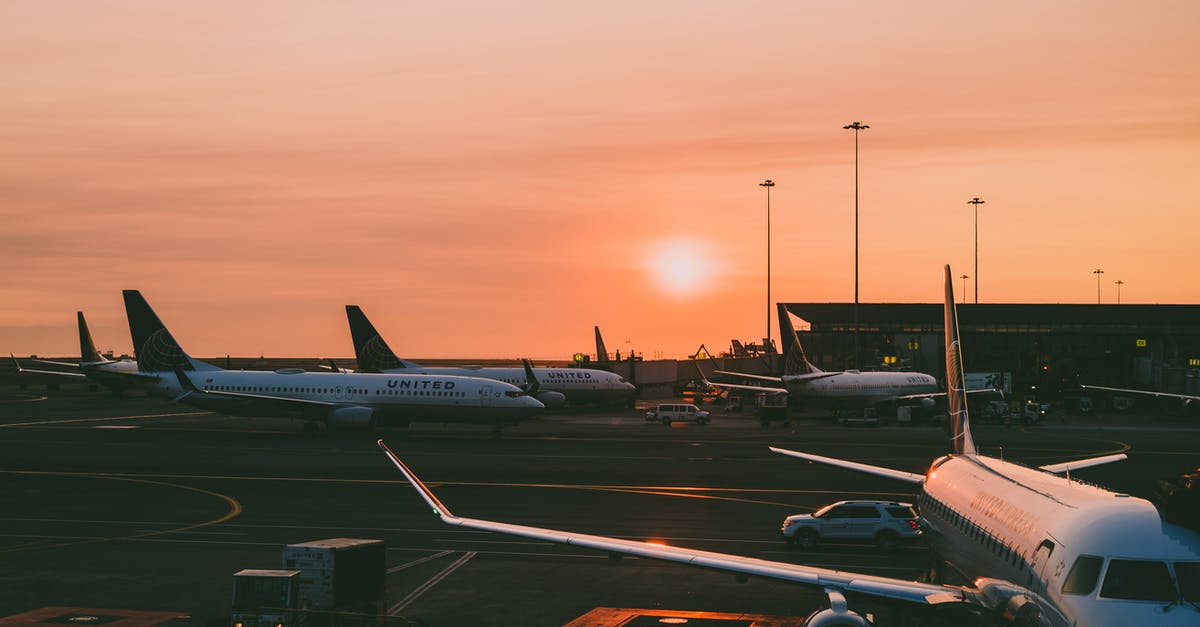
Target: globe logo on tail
pixel 161 353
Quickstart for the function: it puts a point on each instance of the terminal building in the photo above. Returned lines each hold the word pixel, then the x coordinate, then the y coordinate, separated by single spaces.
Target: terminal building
pixel 1048 348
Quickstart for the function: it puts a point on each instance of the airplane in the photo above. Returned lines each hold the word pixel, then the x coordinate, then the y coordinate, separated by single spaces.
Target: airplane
pixel 847 389
pixel 117 375
pixel 1039 549
pixel 343 401
pixel 555 386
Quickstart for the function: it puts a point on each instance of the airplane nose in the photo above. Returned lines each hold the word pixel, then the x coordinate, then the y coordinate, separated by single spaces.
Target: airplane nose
pixel 532 403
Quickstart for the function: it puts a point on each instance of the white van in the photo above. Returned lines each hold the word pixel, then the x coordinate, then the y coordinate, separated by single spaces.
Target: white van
pixel 667 414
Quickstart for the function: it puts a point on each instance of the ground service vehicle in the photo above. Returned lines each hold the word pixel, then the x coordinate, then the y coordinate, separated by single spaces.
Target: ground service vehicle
pixel 886 523
pixel 339 573
pixel 667 414
pixel 266 598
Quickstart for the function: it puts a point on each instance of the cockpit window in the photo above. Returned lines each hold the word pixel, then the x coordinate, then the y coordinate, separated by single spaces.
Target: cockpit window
pixel 1188 575
pixel 513 394
pixel 1138 580
pixel 1084 575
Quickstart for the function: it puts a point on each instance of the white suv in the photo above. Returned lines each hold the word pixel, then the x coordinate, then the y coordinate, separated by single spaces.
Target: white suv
pixel 887 523
pixel 667 414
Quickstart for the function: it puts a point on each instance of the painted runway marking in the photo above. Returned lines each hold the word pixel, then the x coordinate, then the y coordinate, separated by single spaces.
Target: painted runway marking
pixel 63 421
pixel 433 581
pixel 418 562
pixel 235 508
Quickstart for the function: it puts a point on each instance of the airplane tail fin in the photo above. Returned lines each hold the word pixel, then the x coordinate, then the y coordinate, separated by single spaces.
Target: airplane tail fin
pixel 961 442
pixel 153 346
pixel 601 351
pixel 87 348
pixel 371 351
pixel 794 359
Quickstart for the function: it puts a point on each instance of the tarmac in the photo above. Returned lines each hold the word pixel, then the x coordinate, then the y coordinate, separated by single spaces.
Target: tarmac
pixel 149 507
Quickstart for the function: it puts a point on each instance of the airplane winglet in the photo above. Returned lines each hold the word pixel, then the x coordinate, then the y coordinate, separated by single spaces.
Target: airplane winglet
pixel 16 363
pixel 531 382
pixel 185 383
pixel 438 508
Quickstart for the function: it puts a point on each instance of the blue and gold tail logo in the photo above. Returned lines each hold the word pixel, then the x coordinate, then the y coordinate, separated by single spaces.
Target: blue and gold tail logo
pixel 374 354
pixel 161 353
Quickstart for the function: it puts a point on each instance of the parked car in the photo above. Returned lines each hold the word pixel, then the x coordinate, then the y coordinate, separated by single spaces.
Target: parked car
pixel 886 523
pixel 667 414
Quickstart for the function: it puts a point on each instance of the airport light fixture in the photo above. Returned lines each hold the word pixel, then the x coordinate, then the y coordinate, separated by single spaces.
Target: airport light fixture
pixel 768 184
pixel 1119 283
pixel 856 126
pixel 1097 272
pixel 964 290
pixel 976 201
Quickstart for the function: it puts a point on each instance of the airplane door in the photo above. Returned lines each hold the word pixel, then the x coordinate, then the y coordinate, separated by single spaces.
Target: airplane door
pixel 485 396
pixel 339 392
pixel 1039 569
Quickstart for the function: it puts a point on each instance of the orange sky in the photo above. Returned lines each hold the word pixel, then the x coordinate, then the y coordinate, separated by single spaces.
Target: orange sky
pixel 493 180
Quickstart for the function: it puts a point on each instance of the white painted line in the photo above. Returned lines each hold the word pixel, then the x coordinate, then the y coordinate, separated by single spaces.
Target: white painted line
pixel 423 588
pixel 417 562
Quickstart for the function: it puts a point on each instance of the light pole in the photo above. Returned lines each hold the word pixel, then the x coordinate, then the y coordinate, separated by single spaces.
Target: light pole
pixel 1097 272
pixel 768 184
pixel 1119 284
pixel 964 278
pixel 976 201
pixel 856 127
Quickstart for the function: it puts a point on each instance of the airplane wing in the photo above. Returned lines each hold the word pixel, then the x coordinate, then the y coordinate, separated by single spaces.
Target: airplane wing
pixel 812 376
pixel 744 375
pixel 941 394
pixel 752 388
pixel 1186 397
pixel 907 477
pixel 20 370
pixel 54 363
pixel 1062 467
pixel 832 581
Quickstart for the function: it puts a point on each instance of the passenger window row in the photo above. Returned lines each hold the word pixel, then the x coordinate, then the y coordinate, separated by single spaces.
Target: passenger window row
pixel 998 546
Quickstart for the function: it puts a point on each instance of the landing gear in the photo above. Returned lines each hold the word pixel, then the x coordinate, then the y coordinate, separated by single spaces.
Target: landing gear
pixel 936 570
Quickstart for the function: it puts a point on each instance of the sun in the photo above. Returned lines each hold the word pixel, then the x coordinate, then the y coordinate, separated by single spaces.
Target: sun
pixel 680 266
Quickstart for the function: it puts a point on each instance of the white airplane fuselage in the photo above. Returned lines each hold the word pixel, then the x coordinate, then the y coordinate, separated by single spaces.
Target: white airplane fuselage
pixel 578 385
pixel 110 373
pixel 394 398
pixel 858 389
pixel 998 520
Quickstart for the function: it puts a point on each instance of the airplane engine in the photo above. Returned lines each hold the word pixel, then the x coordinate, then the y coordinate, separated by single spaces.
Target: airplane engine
pixel 1016 606
pixel 834 618
pixel 928 402
pixel 351 420
pixel 836 615
pixel 551 399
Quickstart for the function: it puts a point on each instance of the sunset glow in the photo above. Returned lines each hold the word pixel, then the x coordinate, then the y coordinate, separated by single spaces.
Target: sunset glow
pixel 682 267
pixel 492 180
